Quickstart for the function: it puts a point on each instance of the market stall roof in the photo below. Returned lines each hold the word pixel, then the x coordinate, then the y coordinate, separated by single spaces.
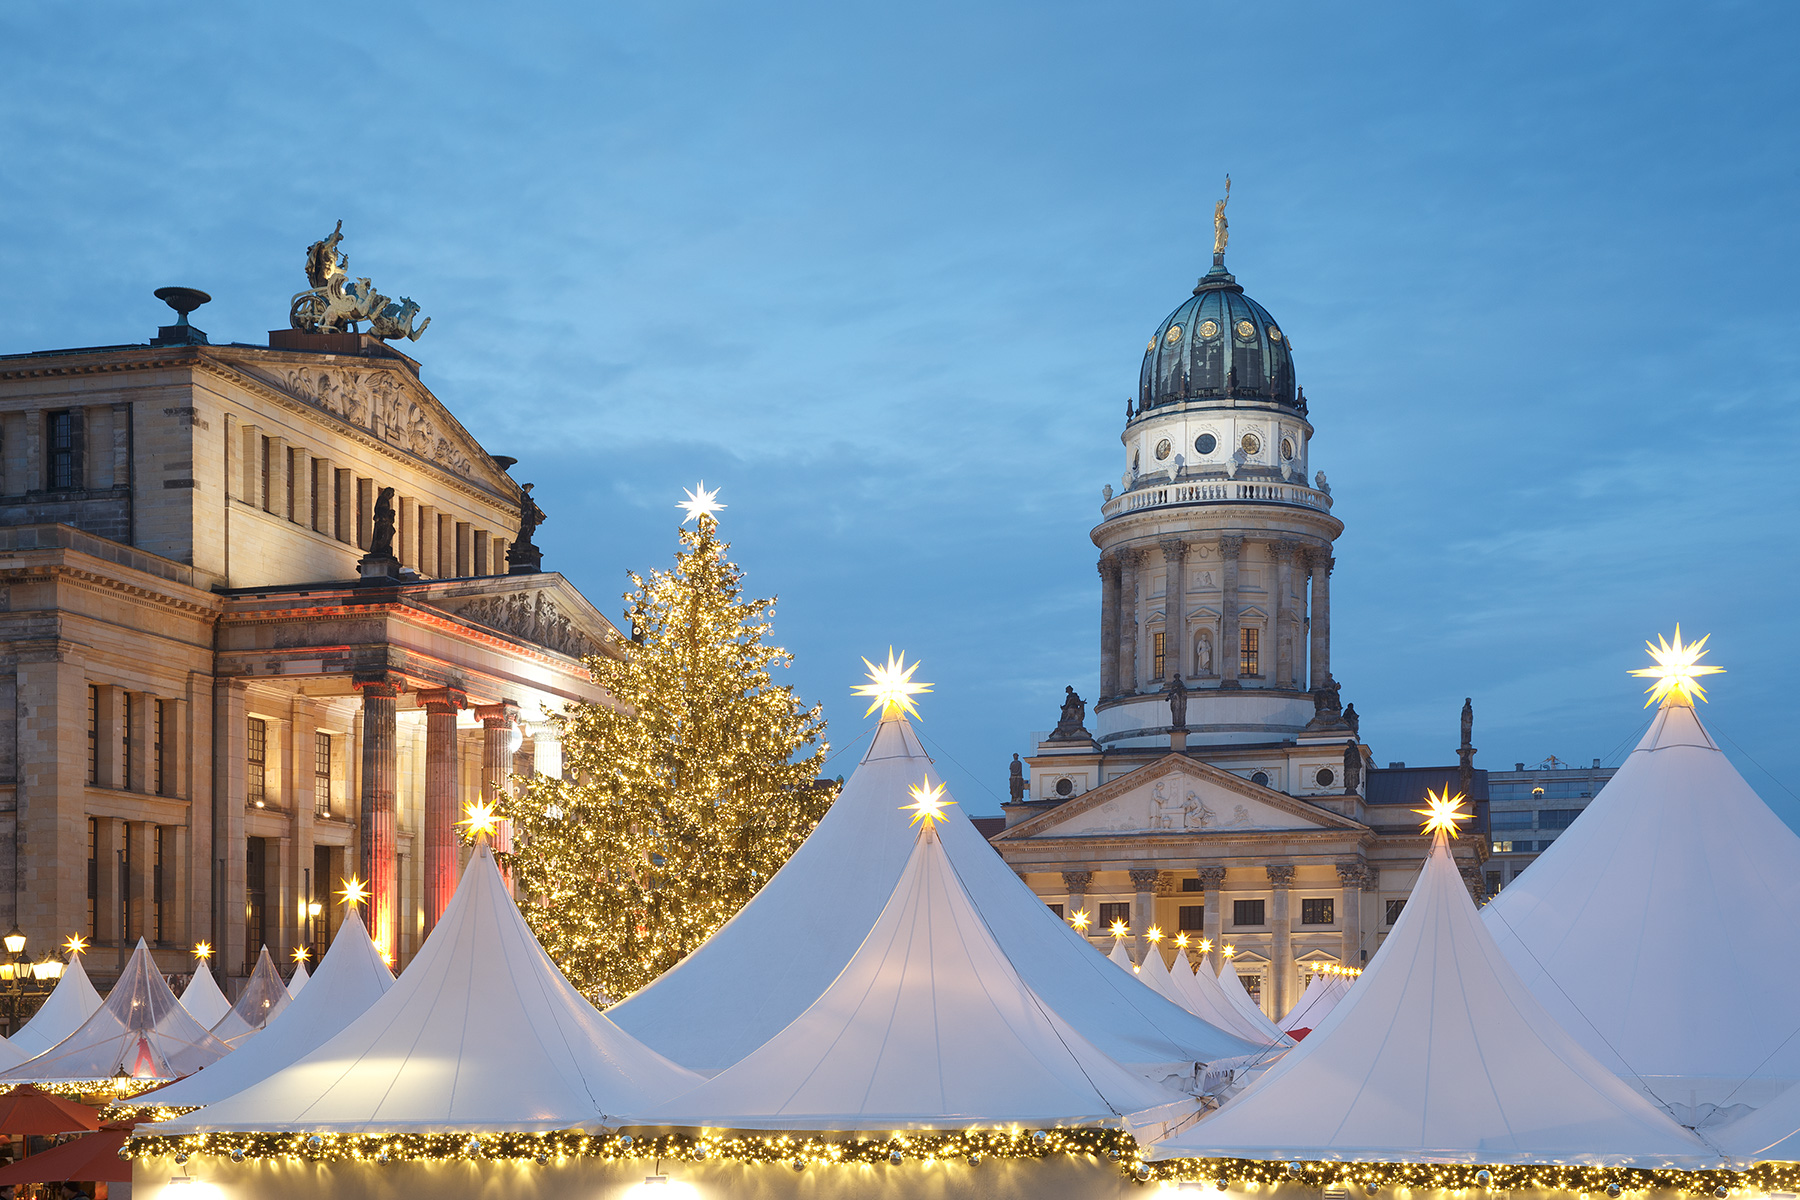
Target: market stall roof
pixel 263 999
pixel 351 978
pixel 928 1025
pixel 72 1002
pixel 1770 1134
pixel 202 997
pixel 90 1158
pixel 1440 1054
pixel 1676 854
pixel 141 1030
pixel 774 958
pixel 1320 997
pixel 481 1033
pixel 1203 996
pixel 29 1111
pixel 299 979
pixel 1238 997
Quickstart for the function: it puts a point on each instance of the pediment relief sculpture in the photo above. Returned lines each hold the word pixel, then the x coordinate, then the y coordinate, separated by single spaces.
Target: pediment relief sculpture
pixel 532 617
pixel 376 400
pixel 1175 805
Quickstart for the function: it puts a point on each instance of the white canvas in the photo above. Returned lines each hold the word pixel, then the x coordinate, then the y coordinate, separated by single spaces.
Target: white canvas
pixel 70 1004
pixel 203 999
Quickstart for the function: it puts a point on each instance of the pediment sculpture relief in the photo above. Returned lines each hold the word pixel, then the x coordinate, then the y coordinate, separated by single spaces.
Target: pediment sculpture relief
pixel 377 401
pixel 532 616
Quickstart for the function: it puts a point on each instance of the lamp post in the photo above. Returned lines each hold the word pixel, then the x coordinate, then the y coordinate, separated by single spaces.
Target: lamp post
pixel 15 949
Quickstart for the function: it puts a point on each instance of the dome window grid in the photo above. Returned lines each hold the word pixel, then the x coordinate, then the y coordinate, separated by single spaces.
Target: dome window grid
pixel 1206 443
pixel 1250 444
pixel 1163 448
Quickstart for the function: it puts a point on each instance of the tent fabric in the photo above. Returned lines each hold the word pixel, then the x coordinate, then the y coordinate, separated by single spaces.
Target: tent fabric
pixel 481 1033
pixel 1770 1134
pixel 264 998
pixel 1676 852
pixel 298 981
pixel 350 979
pixel 11 1055
pixel 90 1158
pixel 774 958
pixel 32 1112
pixel 1204 997
pixel 1320 997
pixel 142 1030
pixel 69 1005
pixel 1441 1054
pixel 202 997
pixel 928 1025
pixel 1238 996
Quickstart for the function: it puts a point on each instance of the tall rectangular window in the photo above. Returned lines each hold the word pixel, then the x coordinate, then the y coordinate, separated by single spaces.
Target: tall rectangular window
pixel 1192 918
pixel 63 458
pixel 125 744
pixel 156 889
pixel 1057 909
pixel 1252 981
pixel 165 747
pixel 125 881
pixel 93 877
pixel 1318 912
pixel 322 774
pixel 156 747
pixel 1249 647
pixel 1111 914
pixel 1247 913
pixel 1157 661
pixel 1393 910
pixel 93 771
pixel 268 474
pixel 256 763
pixel 255 869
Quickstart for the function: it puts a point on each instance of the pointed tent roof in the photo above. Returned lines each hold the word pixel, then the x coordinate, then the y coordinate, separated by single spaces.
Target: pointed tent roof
pixel 775 957
pixel 1440 1053
pixel 351 978
pixel 1205 998
pixel 202 997
pixel 263 999
pixel 1238 996
pixel 480 1033
pixel 141 1030
pixel 11 1055
pixel 1320 997
pixel 1677 852
pixel 928 1024
pixel 72 1002
pixel 299 979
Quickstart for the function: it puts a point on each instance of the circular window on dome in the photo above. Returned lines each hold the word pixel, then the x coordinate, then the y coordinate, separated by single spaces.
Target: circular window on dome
pixel 1245 329
pixel 1162 449
pixel 1287 447
pixel 1065 786
pixel 1209 329
pixel 1274 334
pixel 1173 336
pixel 1250 443
pixel 1325 777
pixel 1206 443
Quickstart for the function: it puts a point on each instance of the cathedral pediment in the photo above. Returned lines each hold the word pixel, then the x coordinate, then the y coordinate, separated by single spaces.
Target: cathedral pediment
pixel 1178 796
pixel 544 610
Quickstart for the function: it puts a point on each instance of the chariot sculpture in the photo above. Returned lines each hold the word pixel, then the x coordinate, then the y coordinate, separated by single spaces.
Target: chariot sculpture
pixel 335 303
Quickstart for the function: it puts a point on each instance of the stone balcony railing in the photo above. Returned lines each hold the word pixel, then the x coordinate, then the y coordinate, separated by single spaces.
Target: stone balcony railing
pixel 1162 495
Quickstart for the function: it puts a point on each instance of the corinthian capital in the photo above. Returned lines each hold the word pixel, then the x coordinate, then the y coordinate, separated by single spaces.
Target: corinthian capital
pixel 1077 881
pixel 1280 874
pixel 1174 550
pixel 1229 545
pixel 1143 879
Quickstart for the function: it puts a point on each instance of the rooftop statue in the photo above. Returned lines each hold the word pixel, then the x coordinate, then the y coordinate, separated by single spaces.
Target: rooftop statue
pixel 1221 231
pixel 335 304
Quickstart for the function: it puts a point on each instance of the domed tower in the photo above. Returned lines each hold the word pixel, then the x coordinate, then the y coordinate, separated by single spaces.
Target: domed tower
pixel 1215 559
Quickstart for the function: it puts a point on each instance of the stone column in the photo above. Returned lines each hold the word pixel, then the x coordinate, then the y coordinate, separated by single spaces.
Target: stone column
pixel 1143 907
pixel 1284 674
pixel 441 854
pixel 1174 608
pixel 1321 562
pixel 109 840
pixel 1128 620
pixel 228 869
pixel 1212 895
pixel 546 750
pixel 140 885
pixel 1281 951
pixel 1230 546
pixel 380 690
pixel 1077 883
pixel 497 722
pixel 297 850
pixel 1109 626
pixel 1352 878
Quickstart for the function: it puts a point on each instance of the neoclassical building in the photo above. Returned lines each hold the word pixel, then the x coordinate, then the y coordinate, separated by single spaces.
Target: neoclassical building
pixel 221 695
pixel 1219 786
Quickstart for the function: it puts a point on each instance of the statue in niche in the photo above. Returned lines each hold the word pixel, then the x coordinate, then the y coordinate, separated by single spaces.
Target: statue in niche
pixel 1015 782
pixel 1203 652
pixel 1071 725
pixel 381 538
pixel 1178 703
pixel 1195 814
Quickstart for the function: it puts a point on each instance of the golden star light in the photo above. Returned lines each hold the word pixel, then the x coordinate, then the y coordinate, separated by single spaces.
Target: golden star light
pixel 1206 945
pixel 1181 941
pixel 301 954
pixel 1444 813
pixel 928 803
pixel 482 821
pixel 892 687
pixel 1230 950
pixel 354 891
pixel 202 950
pixel 700 503
pixel 1677 670
pixel 1120 929
pixel 1081 921
pixel 75 945
pixel 1153 933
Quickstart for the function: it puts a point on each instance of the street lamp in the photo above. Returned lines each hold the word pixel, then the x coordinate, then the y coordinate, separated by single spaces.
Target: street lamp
pixel 15 941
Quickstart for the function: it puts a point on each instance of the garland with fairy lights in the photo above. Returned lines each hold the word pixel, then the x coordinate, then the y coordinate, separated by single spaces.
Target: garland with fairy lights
pixel 1371 1179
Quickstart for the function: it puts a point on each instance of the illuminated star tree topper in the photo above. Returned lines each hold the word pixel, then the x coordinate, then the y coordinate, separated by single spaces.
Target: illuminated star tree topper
pixel 928 804
pixel 700 503
pixel 1443 813
pixel 892 688
pixel 1120 929
pixel 1677 670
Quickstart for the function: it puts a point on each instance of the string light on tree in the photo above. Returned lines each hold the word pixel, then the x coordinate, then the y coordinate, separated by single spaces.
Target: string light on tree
pixel 892 687
pixel 1677 671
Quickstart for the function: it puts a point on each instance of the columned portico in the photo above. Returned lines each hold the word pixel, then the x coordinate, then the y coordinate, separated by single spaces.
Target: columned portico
pixel 1143 907
pixel 1075 884
pixel 1281 926
pixel 1321 562
pixel 1212 880
pixel 441 798
pixel 376 847
pixel 1109 625
pixel 1174 552
pixel 1128 620
pixel 1230 613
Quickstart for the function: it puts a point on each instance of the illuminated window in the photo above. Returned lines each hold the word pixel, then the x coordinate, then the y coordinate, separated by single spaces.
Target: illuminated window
pixel 1503 847
pixel 1249 647
pixel 1156 654
pixel 256 760
pixel 1318 912
pixel 322 774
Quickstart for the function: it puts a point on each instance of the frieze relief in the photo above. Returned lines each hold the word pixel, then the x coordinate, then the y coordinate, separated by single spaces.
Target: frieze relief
pixel 532 616
pixel 378 402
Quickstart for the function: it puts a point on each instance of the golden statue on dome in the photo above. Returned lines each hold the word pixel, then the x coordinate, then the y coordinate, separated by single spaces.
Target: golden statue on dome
pixel 1221 231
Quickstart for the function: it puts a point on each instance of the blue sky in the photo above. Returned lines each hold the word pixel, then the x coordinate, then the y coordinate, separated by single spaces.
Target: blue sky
pixel 884 273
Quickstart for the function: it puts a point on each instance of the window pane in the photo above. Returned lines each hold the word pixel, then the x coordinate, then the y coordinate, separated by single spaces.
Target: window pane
pixel 1192 918
pixel 1318 912
pixel 1247 912
pixel 1110 913
pixel 1249 646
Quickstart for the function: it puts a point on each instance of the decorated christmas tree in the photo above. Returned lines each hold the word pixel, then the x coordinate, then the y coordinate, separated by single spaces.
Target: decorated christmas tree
pixel 686 793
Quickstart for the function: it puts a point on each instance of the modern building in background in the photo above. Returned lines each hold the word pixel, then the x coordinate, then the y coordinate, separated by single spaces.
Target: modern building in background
pixel 215 708
pixel 1529 807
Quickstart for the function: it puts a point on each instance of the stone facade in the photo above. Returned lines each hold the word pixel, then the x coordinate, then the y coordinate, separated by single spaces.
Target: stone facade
pixel 207 719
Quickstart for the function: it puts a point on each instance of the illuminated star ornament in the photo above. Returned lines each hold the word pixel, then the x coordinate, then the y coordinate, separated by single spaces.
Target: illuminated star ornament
pixel 928 804
pixel 1081 921
pixel 482 821
pixel 1677 671
pixel 301 954
pixel 892 687
pixel 202 950
pixel 1444 812
pixel 1154 934
pixel 700 503
pixel 354 891
pixel 1120 929
pixel 75 945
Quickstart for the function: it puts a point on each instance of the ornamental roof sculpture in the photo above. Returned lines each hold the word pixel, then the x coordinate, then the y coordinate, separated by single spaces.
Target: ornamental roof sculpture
pixel 334 303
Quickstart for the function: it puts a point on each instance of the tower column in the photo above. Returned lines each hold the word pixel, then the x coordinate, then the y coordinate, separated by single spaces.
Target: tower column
pixel 441 792
pixel 1128 620
pixel 1212 895
pixel 1230 546
pixel 1109 626
pixel 1281 952
pixel 1174 608
pixel 1143 907
pixel 1077 883
pixel 1285 648
pixel 1322 563
pixel 380 691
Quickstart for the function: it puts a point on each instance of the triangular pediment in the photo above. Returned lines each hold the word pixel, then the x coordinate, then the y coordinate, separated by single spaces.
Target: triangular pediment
pixel 1178 795
pixel 544 609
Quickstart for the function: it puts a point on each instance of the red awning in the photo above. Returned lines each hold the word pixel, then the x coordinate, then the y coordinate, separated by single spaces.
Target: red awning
pixel 34 1112
pixel 92 1157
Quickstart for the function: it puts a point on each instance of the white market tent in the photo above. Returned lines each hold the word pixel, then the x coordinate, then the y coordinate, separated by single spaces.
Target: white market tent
pixel 1321 996
pixel 1677 855
pixel 1770 1134
pixel 1204 997
pixel 927 1026
pixel 264 998
pixel 141 1030
pixel 480 1033
pixel 202 997
pixel 1239 998
pixel 351 978
pixel 11 1055
pixel 298 981
pixel 68 1007
pixel 774 958
pixel 1441 1054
